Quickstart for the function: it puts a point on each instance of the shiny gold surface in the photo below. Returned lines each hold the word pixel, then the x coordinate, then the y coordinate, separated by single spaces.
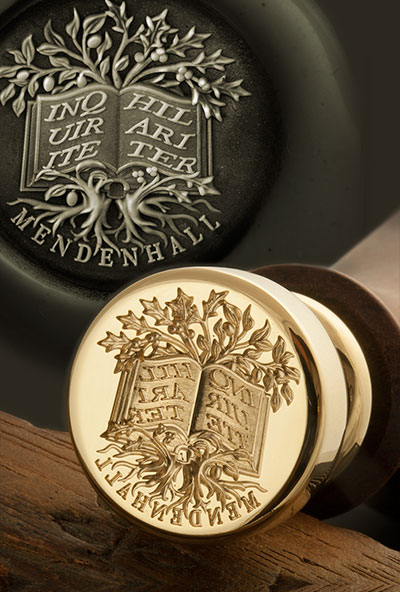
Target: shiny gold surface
pixel 205 401
pixel 358 382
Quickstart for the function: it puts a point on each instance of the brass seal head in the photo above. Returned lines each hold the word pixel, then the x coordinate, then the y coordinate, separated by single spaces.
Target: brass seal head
pixel 207 401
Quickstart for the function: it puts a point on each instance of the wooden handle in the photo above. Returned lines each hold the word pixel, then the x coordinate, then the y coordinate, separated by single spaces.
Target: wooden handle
pixel 55 536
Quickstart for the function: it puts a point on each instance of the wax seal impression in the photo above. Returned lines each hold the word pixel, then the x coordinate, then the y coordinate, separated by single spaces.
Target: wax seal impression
pixel 208 401
pixel 126 123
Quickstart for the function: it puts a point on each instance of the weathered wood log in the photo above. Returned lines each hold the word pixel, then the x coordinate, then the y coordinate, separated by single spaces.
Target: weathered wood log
pixel 54 536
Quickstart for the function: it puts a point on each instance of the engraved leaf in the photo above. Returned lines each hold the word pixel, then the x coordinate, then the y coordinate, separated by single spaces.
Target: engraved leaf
pixel 286 357
pixel 122 9
pixel 149 23
pixel 260 335
pixel 93 24
pixel 52 37
pixel 7 93
pixel 215 300
pixel 264 345
pixel 73 27
pixel 278 350
pixel 219 332
pixel 244 365
pixel 48 174
pixel 48 49
pixel 287 393
pixel 105 66
pixel 18 57
pixel 59 62
pixel 131 321
pixel 252 354
pixel 292 373
pixel 170 83
pixel 215 349
pixel 247 320
pixel 182 308
pixel 66 75
pixel 122 64
pixel 103 47
pixel 8 72
pixel 268 380
pixel 202 343
pixel 153 309
pixel 28 49
pixel 56 191
pixel 19 105
pixel 232 313
pixel 232 89
pixel 156 79
pixel 256 375
pixel 112 342
pixel 276 400
pixel 33 87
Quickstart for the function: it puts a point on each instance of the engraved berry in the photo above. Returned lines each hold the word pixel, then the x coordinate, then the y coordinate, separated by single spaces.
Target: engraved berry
pixel 160 51
pixel 48 83
pixel 152 171
pixel 72 199
pixel 154 56
pixel 163 59
pixel 22 75
pixel 94 41
pixel 81 81
pixel 139 176
pixel 204 84
pixel 189 75
pixel 139 57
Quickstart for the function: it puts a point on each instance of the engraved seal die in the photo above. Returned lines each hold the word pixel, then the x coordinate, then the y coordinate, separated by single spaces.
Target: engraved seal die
pixel 209 401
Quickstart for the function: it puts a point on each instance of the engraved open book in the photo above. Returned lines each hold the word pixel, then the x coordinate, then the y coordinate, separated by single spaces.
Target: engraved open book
pixel 179 393
pixel 137 126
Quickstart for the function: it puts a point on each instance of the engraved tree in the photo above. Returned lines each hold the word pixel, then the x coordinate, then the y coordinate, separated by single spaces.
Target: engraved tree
pixel 190 471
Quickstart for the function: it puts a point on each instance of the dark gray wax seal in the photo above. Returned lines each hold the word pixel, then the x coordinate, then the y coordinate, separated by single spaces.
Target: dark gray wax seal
pixel 139 134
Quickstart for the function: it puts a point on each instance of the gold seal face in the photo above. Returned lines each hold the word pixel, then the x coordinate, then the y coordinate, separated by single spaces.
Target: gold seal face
pixel 188 402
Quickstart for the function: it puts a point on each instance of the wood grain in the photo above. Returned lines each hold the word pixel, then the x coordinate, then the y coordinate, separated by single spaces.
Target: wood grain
pixel 54 536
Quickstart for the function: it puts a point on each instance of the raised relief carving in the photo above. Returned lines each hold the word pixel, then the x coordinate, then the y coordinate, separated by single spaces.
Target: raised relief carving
pixel 118 128
pixel 190 414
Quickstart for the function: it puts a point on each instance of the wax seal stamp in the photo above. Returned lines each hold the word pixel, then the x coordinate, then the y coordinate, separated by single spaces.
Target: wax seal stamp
pixel 128 122
pixel 207 401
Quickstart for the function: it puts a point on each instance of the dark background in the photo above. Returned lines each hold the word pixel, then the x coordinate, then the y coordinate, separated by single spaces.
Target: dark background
pixel 339 181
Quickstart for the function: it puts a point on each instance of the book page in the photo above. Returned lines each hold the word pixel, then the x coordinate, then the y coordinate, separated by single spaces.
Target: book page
pixel 158 392
pixel 233 408
pixel 159 129
pixel 73 127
